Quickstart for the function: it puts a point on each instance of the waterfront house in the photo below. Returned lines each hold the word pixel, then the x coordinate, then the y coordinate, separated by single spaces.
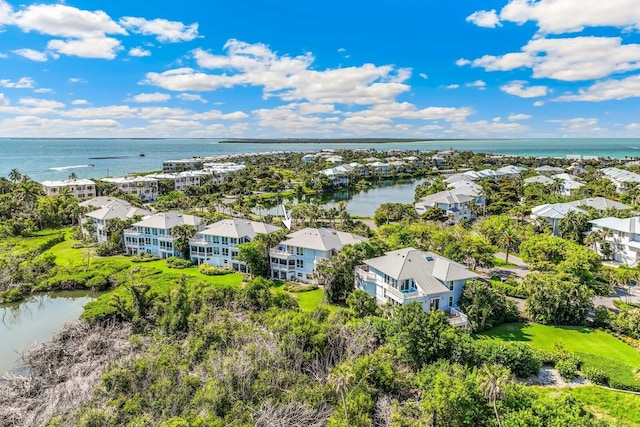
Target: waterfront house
pixel 182 180
pixel 80 188
pixel 100 202
pixel 600 204
pixel 623 236
pixel 456 205
pixel 549 170
pixel 554 213
pixel 116 209
pixel 171 166
pixel 144 187
pixel 620 177
pixel 410 275
pixel 218 243
pixel 296 257
pixel 153 234
pixel 539 179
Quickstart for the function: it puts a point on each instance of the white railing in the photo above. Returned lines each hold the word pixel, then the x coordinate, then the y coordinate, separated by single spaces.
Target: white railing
pixel 404 297
pixel 458 318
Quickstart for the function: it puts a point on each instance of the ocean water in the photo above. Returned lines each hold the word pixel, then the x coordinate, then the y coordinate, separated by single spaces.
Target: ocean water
pixel 44 159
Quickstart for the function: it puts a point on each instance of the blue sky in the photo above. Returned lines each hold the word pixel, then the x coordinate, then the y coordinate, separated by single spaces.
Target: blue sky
pixel 264 68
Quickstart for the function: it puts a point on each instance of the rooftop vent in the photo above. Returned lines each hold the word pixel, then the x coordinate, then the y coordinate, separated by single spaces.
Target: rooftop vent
pixel 429 258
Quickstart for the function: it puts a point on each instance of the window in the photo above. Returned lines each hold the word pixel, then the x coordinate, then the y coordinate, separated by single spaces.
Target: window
pixel 450 301
pixel 147 240
pixel 299 263
pixel 290 249
pixel 299 274
pixel 225 252
pixel 234 240
pixel 216 239
pixel 300 251
pixel 450 286
pixel 225 240
pixel 155 242
pixel 216 251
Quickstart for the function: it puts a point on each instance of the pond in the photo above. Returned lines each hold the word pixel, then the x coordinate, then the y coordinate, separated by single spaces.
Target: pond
pixel 34 321
pixel 363 203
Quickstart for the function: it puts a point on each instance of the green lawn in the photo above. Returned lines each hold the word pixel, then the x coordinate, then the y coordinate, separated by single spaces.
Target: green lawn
pixel 594 347
pixel 622 409
pixel 499 262
pixel 309 301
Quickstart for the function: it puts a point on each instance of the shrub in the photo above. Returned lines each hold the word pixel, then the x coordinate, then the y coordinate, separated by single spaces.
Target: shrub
pixel 596 376
pixel 212 270
pixel 567 368
pixel 510 288
pixel 144 257
pixel 97 283
pixel 296 288
pixel 619 304
pixel 175 262
pixel 602 317
pixel 520 358
pixel 10 295
pixel 107 249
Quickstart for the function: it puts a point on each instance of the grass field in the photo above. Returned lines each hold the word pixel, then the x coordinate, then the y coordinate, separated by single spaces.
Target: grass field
pixel 499 262
pixel 620 408
pixel 594 347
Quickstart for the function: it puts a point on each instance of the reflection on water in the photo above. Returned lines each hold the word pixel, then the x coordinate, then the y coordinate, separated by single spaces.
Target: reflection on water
pixel 362 203
pixel 34 321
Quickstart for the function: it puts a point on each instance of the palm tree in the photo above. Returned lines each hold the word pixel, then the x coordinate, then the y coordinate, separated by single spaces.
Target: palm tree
pixel 182 234
pixel 73 176
pixel 27 193
pixel 15 175
pixel 508 239
pixel 491 380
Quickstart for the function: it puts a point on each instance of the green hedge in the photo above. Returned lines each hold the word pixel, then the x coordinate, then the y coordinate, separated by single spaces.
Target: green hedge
pixel 212 270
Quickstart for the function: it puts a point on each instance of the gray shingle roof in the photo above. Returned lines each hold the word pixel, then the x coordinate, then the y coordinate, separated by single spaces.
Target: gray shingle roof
pixel 117 210
pixel 322 239
pixel 238 228
pixel 102 201
pixel 555 210
pixel 600 203
pixel 168 220
pixel 427 269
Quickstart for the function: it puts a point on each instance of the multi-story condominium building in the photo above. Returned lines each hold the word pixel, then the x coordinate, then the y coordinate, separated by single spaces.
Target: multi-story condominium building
pixel 153 234
pixel 622 236
pixel 80 188
pixel 182 180
pixel 218 243
pixel 144 187
pixel 169 166
pixel 296 257
pixel 620 177
pixel 456 205
pixel 410 275
pixel 116 209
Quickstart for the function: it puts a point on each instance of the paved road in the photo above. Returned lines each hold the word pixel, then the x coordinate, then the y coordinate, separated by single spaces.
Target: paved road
pixel 521 270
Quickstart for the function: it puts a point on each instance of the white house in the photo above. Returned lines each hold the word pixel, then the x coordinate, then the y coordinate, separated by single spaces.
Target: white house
pixel 114 210
pixel 80 188
pixel 620 177
pixel 218 243
pixel 600 204
pixel 623 236
pixel 539 179
pixel 456 205
pixel 144 187
pixel 554 212
pixel 547 169
pixel 410 275
pixel 296 257
pixel 182 180
pixel 153 234
pixel 181 165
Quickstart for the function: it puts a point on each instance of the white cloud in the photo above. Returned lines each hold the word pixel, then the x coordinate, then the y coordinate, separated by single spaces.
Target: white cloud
pixel 288 119
pixel 538 103
pixel 568 59
pixel 289 78
pixel 563 16
pixel 40 103
pixel 43 90
pixel 151 97
pixel 22 83
pixel 5 13
pixel 484 18
pixel 219 115
pixel 140 52
pixel 3 99
pixel 578 126
pixel 633 126
pixel 478 83
pixel 424 76
pixel 406 110
pixel 606 90
pixel 462 62
pixel 76 80
pixel 191 97
pixel 31 54
pixel 79 102
pixel 3 55
pixel 165 31
pixel 517 88
pixel 98 47
pixel 111 112
pixel 484 127
pixel 515 117
pixel 452 86
pixel 341 50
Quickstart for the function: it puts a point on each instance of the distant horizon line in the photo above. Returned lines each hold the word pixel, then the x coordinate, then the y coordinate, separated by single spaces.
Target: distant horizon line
pixel 311 140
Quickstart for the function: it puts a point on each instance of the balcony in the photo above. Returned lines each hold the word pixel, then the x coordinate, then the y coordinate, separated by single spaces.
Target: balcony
pixel 280 253
pixel 362 271
pixel 405 297
pixel 457 318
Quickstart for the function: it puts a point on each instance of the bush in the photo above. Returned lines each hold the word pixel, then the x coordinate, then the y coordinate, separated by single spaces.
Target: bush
pixel 107 249
pixel 619 304
pixel 212 270
pixel 98 283
pixel 10 295
pixel 567 368
pixel 179 263
pixel 509 288
pixel 596 376
pixel 296 288
pixel 602 317
pixel 520 358
pixel 144 257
